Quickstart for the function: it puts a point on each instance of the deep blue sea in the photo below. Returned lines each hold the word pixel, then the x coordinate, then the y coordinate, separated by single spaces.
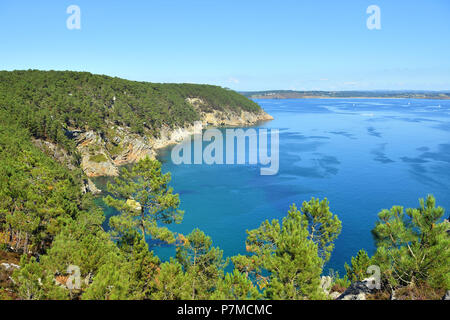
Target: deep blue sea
pixel 364 155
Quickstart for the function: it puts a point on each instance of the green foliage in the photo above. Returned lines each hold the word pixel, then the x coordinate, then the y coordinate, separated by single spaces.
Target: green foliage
pixel 323 226
pixel 111 282
pixel 235 286
pixel 338 282
pixel 44 214
pixel 202 263
pixel 79 245
pixel 285 260
pixel 37 195
pixel 359 264
pixel 143 197
pixel 98 158
pixel 171 283
pixel 413 246
pixel 51 103
pixel 33 282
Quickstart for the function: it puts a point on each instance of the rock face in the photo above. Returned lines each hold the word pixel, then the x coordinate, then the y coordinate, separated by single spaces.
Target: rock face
pixel 334 295
pixel 325 284
pixel 357 291
pixel 56 152
pixel 102 153
pixel 101 156
pixel 218 118
pixel 226 118
pixel 10 266
pixel 95 160
pixel 446 296
pixel 89 186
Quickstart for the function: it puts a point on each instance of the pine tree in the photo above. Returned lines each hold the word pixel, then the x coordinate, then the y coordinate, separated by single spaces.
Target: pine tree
pixel 236 286
pixel 171 283
pixel 202 263
pixel 413 246
pixel 359 264
pixel 323 226
pixel 144 199
pixel 285 260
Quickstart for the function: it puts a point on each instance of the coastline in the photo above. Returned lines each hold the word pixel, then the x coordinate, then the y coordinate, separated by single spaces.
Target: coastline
pixel 341 98
pixel 135 147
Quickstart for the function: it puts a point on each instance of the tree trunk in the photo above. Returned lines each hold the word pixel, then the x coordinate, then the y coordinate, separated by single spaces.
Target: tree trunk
pixel 25 245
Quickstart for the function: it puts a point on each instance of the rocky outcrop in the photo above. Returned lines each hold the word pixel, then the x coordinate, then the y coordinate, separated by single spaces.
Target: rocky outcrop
pixel 325 284
pixel 89 186
pixel 10 266
pixel 446 296
pixel 56 152
pixel 95 159
pixel 357 290
pixel 101 155
pixel 227 117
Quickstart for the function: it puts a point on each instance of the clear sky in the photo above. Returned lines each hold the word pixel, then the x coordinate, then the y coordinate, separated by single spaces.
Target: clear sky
pixel 243 45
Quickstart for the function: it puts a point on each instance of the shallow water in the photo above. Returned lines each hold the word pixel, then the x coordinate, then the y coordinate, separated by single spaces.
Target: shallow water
pixel 362 154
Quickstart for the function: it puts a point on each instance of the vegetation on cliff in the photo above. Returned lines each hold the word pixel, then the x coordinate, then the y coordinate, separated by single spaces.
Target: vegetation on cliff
pixel 54 227
pixel 285 259
pixel 51 103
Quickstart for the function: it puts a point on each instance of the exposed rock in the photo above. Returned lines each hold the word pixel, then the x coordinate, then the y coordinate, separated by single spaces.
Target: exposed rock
pixel 357 291
pixel 228 118
pixel 10 266
pixel 334 295
pixel 135 148
pixel 90 145
pixel 101 156
pixel 393 297
pixel 93 188
pixel 89 186
pixel 133 204
pixel 325 284
pixel 56 152
pixel 446 296
pixel 169 136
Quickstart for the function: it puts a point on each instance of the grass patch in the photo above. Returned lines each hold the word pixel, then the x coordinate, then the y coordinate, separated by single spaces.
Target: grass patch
pixel 98 158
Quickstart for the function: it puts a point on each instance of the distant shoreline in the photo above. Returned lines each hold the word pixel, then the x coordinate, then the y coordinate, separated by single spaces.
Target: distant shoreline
pixel 288 94
pixel 324 97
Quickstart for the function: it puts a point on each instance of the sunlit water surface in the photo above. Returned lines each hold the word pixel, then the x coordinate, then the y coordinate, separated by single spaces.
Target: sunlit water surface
pixel 362 154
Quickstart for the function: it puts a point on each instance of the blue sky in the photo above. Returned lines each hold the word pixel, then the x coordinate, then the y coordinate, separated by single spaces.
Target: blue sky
pixel 243 45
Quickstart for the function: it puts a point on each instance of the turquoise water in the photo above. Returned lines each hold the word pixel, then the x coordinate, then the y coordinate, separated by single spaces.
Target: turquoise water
pixel 362 154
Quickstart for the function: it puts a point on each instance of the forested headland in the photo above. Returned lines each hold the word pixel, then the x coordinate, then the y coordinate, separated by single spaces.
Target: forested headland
pixel 53 246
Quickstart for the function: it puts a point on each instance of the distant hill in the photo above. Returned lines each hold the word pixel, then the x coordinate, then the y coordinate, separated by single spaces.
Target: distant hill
pixel 290 94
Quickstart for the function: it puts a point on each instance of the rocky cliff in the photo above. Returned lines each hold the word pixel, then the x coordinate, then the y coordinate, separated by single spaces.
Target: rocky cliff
pixel 101 155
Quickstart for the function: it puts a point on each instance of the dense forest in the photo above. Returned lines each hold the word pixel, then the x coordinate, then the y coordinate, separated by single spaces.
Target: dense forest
pixel 51 103
pixel 55 229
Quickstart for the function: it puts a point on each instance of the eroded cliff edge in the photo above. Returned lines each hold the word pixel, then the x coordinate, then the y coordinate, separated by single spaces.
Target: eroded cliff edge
pixel 101 155
pixel 99 123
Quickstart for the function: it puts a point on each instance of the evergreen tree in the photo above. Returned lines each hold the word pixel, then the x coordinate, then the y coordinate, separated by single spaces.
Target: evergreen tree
pixel 171 283
pixel 144 199
pixel 202 263
pixel 413 246
pixel 323 226
pixel 359 264
pixel 285 260
pixel 33 282
pixel 111 282
pixel 236 286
